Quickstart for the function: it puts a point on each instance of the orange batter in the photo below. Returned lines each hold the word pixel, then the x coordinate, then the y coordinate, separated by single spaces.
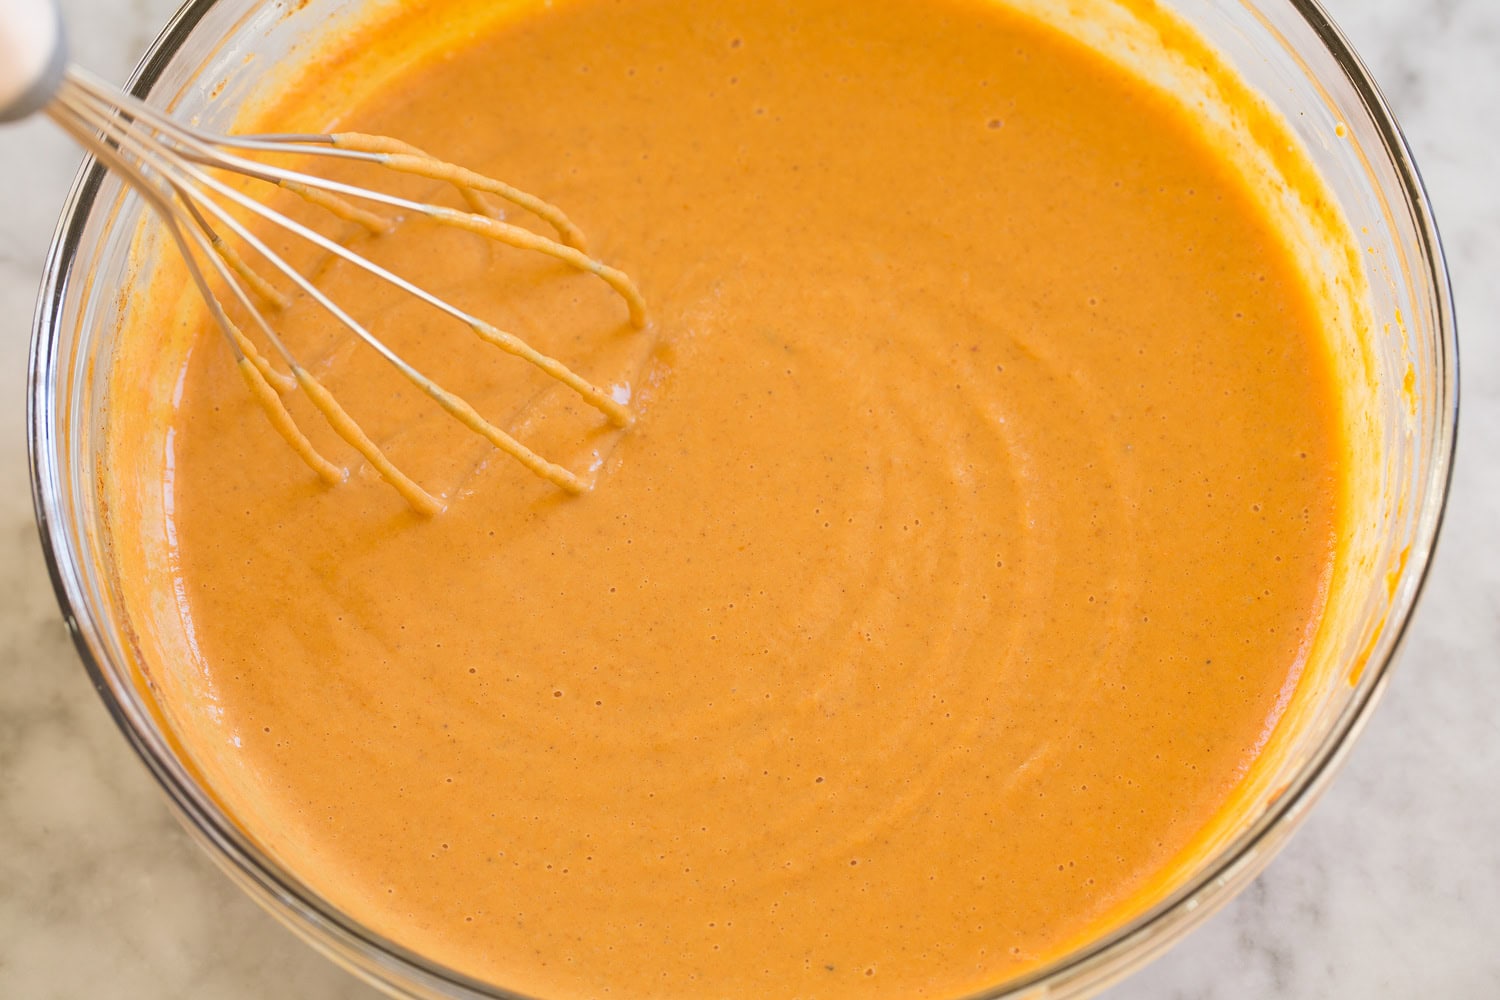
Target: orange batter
pixel 968 543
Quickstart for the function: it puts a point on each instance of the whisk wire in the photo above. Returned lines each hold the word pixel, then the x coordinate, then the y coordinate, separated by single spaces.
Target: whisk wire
pixel 406 158
pixel 168 164
pixel 454 405
pixel 196 146
pixel 480 225
pixel 252 368
pixel 332 411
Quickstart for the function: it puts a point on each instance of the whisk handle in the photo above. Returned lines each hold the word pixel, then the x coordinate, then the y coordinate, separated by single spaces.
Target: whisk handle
pixel 33 55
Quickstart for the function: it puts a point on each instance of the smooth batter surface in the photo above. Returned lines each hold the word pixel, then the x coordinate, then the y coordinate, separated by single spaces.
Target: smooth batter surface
pixel 962 556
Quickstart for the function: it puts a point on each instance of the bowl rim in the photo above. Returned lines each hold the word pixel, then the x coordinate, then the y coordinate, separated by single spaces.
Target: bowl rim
pixel 1097 962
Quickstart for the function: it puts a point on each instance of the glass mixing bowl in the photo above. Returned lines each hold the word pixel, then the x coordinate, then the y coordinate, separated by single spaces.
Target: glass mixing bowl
pixel 207 63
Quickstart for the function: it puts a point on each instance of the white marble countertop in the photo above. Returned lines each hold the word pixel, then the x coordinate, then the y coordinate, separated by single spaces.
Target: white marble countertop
pixel 1392 889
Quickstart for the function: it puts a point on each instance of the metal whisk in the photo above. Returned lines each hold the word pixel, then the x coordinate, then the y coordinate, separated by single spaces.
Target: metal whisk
pixel 179 172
